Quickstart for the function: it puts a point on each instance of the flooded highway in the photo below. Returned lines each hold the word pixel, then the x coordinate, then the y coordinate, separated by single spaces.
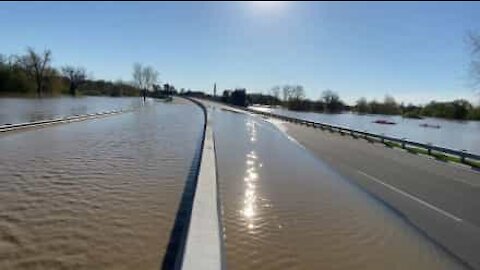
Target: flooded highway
pixel 22 110
pixel 103 194
pixel 99 194
pixel 454 134
pixel 282 208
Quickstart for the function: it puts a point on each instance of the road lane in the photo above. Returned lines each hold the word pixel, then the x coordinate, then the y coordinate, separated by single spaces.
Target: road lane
pixel 283 208
pixel 443 212
pixel 450 189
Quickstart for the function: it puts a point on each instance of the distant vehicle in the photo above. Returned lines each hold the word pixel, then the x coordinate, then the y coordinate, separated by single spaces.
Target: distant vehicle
pixel 429 125
pixel 384 122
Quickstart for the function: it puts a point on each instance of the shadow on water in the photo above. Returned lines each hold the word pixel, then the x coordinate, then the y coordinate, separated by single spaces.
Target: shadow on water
pixel 174 254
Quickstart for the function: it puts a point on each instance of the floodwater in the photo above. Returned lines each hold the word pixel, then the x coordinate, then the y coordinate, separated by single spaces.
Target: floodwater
pixel 22 110
pixel 459 135
pixel 285 209
pixel 98 194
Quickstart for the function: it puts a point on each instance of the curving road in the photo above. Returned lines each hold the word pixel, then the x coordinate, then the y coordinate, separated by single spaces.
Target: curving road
pixel 441 199
pixel 297 200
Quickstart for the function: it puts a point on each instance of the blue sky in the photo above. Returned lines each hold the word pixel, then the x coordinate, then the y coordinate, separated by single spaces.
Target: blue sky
pixel 414 51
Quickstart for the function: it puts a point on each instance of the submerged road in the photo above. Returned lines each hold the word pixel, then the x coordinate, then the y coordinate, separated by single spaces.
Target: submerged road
pixel 441 199
pixel 96 194
pixel 104 193
pixel 285 207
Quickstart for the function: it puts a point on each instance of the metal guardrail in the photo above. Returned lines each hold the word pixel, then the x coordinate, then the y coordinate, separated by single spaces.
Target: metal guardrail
pixel 462 155
pixel 67 119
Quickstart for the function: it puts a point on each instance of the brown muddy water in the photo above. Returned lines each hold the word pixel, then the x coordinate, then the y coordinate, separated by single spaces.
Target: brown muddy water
pixel 99 194
pixel 285 209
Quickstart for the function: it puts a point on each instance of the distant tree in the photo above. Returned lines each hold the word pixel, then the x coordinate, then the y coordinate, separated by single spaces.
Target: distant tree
pixel 457 109
pixel 166 88
pixel 37 66
pixel 390 106
pixel 287 91
pixel 150 77
pixel 374 107
pixel 362 105
pixel 297 92
pixel 275 92
pixel 75 76
pixel 332 101
pixel 474 114
pixel 461 108
pixel 138 79
pixel 239 97
pixel 226 95
pixel 144 77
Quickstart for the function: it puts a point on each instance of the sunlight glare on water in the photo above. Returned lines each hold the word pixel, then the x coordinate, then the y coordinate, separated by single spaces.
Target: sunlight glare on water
pixel 285 209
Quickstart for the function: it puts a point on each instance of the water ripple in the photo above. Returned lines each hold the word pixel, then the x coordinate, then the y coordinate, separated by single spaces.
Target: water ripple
pixel 100 194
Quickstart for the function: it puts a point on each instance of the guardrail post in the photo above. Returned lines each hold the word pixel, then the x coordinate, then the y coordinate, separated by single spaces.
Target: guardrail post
pixel 462 155
pixel 429 149
pixel 403 143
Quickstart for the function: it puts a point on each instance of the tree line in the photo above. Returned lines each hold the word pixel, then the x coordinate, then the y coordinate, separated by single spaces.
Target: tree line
pixel 458 109
pixel 32 73
pixel 293 98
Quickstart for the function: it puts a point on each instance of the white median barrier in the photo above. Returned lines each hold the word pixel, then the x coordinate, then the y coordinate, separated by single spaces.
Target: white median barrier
pixel 203 245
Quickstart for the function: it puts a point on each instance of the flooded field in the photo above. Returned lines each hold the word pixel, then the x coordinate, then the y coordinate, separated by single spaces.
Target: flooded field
pixel 22 110
pixel 459 135
pixel 100 194
pixel 285 209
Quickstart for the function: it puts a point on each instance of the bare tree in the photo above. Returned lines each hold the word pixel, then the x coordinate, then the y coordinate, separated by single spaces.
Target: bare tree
pixel 138 76
pixel 297 92
pixel 150 77
pixel 144 78
pixel 332 101
pixel 37 65
pixel 287 92
pixel 275 92
pixel 75 75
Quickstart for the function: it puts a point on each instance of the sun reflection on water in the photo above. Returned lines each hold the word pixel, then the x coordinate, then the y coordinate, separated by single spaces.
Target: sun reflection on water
pixel 251 176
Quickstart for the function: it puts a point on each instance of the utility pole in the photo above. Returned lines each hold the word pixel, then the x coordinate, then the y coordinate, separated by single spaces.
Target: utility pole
pixel 215 90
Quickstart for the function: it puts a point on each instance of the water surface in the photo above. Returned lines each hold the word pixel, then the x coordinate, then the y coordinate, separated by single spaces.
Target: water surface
pixel 98 194
pixel 459 135
pixel 285 209
pixel 22 110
